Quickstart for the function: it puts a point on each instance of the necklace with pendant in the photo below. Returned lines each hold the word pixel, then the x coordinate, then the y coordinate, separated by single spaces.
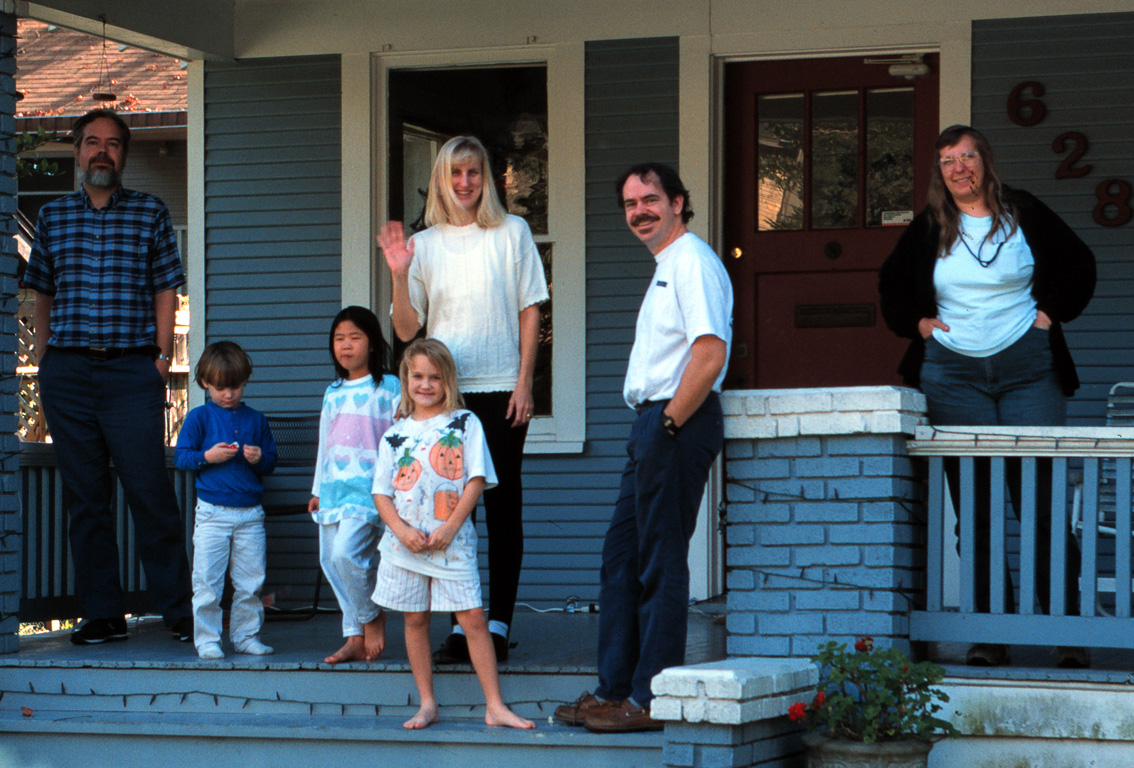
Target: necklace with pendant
pixel 986 263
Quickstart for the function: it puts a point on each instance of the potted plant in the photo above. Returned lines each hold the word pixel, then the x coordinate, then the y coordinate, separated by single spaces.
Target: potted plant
pixel 872 708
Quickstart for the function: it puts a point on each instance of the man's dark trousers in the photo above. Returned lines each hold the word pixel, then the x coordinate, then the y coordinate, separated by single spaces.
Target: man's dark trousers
pixel 644 597
pixel 115 409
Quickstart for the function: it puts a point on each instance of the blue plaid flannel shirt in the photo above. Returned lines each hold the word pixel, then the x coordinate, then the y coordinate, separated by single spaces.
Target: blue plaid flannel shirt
pixel 104 266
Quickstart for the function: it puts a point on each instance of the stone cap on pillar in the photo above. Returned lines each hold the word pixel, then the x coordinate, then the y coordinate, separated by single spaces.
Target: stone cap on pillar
pixel 770 413
pixel 733 691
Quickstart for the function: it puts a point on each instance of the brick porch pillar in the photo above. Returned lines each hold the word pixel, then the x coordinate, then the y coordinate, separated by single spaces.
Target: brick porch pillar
pixel 825 518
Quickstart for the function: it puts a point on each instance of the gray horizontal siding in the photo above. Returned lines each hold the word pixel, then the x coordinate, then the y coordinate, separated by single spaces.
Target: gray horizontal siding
pixel 631 116
pixel 273 221
pixel 273 215
pixel 1085 66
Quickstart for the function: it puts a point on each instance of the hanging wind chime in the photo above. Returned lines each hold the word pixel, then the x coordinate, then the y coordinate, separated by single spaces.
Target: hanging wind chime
pixel 101 92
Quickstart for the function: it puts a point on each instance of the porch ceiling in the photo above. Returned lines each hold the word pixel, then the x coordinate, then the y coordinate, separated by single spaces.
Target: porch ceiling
pixel 203 29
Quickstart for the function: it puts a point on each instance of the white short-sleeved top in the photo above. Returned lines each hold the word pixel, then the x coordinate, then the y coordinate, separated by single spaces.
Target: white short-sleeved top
pixel 468 286
pixel 424 466
pixel 689 296
pixel 354 417
pixel 987 308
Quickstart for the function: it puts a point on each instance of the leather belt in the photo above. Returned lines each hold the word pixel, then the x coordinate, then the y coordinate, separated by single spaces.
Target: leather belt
pixel 110 353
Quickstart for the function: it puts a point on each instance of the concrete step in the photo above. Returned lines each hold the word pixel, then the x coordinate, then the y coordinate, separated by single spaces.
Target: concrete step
pixel 275 689
pixel 250 740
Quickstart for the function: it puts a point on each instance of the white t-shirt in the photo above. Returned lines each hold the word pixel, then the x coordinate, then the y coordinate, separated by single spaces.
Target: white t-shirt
pixel 689 296
pixel 355 416
pixel 468 286
pixel 424 467
pixel 987 308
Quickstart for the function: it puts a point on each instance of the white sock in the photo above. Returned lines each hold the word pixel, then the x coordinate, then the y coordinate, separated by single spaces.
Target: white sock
pixel 498 628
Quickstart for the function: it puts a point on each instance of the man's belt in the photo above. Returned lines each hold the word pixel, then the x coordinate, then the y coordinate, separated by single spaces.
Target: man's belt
pixel 111 353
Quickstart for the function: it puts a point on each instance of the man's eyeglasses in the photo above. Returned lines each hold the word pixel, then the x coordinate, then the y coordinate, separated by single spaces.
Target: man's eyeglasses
pixel 966 158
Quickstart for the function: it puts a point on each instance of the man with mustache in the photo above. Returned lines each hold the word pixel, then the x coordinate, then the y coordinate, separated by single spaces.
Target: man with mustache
pixel 105 270
pixel 677 364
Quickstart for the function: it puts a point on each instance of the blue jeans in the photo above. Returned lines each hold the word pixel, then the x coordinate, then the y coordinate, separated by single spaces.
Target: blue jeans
pixel 1017 386
pixel 644 595
pixel 100 411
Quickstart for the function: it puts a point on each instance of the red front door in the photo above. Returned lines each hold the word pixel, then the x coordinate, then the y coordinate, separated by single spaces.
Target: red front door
pixel 825 161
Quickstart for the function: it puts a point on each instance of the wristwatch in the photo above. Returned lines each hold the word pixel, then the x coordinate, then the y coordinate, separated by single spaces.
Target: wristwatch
pixel 669 425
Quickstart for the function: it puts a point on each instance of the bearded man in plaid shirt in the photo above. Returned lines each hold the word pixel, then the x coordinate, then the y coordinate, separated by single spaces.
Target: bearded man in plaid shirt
pixel 105 270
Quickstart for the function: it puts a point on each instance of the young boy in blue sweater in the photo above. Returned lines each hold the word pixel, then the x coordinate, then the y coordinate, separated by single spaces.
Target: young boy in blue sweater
pixel 230 447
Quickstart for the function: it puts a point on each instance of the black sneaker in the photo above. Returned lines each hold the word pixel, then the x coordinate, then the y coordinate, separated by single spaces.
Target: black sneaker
pixel 183 629
pixel 95 631
pixel 455 650
pixel 500 645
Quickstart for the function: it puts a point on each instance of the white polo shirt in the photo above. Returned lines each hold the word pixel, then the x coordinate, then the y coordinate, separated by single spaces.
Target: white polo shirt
pixel 689 296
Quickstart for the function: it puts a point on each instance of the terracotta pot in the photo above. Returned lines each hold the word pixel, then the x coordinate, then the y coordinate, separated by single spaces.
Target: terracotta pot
pixel 825 752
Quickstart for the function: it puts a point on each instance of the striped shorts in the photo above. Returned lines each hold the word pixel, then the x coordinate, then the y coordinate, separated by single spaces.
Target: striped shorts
pixel 401 589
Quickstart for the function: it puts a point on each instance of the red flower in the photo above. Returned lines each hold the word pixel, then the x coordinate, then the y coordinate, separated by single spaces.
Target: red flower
pixel 864 645
pixel 819 699
pixel 797 711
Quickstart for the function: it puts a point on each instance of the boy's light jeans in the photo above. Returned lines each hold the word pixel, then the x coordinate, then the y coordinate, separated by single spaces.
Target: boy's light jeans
pixel 228 539
pixel 348 552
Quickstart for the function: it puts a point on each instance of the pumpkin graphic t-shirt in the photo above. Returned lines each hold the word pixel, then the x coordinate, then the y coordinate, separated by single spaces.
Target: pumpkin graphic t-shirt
pixel 424 467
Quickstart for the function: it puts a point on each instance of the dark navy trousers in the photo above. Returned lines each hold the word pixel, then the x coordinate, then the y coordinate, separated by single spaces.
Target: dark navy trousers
pixel 115 409
pixel 644 597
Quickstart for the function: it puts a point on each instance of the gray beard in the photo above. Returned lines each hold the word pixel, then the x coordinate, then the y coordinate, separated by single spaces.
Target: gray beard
pixel 100 178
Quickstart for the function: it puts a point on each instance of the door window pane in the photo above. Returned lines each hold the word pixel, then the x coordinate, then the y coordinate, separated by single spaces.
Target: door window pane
pixel 889 156
pixel 834 160
pixel 779 159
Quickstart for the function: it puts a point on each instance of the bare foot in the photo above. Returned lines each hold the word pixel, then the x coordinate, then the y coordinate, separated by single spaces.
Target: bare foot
pixel 425 717
pixel 374 637
pixel 502 716
pixel 353 649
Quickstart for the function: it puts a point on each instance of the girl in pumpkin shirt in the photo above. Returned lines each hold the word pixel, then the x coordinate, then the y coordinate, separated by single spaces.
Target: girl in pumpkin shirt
pixel 433 465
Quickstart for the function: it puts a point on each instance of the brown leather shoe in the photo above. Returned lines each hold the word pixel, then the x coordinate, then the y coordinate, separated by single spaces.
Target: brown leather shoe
pixel 625 718
pixel 575 714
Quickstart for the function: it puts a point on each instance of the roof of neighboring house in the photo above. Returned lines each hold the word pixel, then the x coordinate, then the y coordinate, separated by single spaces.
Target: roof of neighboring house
pixel 59 68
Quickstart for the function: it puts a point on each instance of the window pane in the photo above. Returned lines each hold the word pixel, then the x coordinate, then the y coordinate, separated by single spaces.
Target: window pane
pixel 889 156
pixel 779 159
pixel 834 160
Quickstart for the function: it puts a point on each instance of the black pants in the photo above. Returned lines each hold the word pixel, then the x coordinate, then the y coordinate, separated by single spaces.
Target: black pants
pixel 504 504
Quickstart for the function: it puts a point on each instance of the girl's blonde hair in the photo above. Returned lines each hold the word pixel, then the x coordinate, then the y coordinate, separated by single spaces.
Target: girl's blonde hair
pixel 441 204
pixel 439 356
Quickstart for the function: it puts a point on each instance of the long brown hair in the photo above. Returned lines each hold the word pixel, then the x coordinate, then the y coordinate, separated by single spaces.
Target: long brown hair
pixel 941 203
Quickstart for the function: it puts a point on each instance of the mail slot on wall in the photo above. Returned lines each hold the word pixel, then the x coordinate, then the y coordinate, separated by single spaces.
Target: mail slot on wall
pixel 834 315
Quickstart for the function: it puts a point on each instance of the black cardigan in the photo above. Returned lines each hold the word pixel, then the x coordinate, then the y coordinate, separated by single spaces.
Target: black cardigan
pixel 1062 283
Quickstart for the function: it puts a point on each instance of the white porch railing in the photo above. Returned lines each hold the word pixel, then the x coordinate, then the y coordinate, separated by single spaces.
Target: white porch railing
pixel 1090 481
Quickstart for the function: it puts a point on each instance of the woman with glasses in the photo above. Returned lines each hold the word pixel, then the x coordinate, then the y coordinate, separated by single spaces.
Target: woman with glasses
pixel 981 282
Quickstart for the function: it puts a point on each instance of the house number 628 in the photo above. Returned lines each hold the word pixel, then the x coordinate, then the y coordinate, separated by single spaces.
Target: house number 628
pixel 1114 195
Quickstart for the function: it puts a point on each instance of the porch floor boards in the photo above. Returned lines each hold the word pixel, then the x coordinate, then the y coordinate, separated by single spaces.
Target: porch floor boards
pixel 545 643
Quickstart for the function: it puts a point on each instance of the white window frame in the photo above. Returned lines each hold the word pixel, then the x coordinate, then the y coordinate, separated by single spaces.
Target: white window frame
pixel 365 279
